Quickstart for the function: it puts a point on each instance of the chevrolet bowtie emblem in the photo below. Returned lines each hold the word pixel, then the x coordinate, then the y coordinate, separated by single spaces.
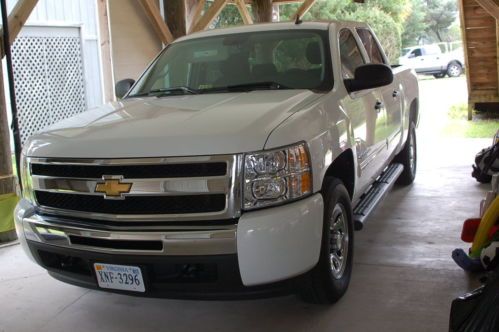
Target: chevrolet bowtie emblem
pixel 113 188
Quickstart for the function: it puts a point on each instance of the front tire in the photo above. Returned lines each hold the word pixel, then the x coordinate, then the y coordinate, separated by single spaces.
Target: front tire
pixel 454 69
pixel 408 157
pixel 328 281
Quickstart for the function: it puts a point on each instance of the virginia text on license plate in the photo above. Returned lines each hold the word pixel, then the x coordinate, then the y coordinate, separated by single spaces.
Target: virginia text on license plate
pixel 122 277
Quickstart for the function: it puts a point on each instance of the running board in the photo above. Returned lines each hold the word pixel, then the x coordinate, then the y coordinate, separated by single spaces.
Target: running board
pixel 371 199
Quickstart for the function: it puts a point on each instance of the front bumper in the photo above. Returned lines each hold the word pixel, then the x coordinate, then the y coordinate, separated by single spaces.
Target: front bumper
pixel 263 248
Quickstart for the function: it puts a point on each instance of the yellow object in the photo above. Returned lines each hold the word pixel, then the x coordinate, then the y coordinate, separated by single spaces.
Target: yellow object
pixel 7 205
pixel 489 219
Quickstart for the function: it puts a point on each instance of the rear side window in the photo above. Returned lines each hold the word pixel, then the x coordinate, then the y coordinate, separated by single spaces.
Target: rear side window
pixel 371 46
pixel 350 54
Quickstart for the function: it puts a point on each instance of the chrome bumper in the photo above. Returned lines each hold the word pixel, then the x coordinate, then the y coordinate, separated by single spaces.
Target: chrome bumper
pixel 174 243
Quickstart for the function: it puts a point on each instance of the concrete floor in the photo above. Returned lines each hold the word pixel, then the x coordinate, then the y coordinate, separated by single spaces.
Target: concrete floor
pixel 404 278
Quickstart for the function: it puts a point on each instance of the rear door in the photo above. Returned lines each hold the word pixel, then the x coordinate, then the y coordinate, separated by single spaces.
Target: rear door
pixel 389 121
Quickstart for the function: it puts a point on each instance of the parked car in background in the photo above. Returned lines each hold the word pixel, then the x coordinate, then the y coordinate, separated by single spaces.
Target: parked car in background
pixel 430 60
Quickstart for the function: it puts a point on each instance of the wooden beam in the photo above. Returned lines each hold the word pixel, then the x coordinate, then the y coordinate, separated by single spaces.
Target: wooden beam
pixel 304 8
pixel 196 14
pixel 159 25
pixel 243 10
pixel 6 176
pixel 105 51
pixel 490 6
pixel 17 19
pixel 208 17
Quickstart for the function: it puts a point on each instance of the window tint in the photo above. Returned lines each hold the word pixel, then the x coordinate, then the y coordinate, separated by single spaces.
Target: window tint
pixel 417 52
pixel 351 58
pixel 371 46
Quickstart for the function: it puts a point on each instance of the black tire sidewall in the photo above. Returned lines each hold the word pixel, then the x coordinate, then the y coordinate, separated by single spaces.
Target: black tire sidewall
pixel 335 192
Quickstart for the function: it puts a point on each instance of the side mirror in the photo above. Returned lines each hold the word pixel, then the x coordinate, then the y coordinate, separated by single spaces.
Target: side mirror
pixel 122 87
pixel 369 77
pixel 411 56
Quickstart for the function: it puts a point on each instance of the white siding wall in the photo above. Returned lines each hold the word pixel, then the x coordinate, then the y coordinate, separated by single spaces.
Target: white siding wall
pixel 81 13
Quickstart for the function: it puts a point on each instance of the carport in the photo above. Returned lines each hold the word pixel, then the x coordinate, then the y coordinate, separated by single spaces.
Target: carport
pixel 404 277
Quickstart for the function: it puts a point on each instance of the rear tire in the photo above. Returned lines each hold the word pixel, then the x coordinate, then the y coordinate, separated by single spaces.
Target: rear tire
pixel 328 281
pixel 454 69
pixel 408 157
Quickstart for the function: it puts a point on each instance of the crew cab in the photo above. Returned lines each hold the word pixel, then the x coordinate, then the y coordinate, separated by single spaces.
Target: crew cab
pixel 238 165
pixel 430 60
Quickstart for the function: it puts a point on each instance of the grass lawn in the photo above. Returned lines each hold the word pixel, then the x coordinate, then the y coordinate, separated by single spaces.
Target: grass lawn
pixel 482 125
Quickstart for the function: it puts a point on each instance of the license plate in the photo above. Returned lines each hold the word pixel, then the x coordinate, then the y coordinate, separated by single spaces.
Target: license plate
pixel 122 277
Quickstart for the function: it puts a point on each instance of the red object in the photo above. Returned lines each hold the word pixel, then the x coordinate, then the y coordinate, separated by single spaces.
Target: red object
pixel 493 231
pixel 470 227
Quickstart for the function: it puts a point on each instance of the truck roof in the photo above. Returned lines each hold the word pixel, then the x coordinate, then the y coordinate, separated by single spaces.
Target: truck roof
pixel 309 25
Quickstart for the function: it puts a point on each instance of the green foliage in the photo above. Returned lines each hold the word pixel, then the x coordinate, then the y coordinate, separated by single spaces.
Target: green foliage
pixel 384 16
pixel 397 23
pixel 440 14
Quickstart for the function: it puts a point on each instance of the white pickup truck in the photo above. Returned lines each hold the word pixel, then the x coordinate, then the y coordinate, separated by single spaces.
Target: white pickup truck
pixel 430 60
pixel 239 164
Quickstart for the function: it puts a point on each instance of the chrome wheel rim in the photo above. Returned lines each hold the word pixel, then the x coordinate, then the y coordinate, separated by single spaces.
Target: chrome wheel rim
pixel 339 238
pixel 454 70
pixel 412 154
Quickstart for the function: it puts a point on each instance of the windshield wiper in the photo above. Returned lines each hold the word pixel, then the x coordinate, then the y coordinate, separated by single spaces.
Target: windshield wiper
pixel 248 87
pixel 167 91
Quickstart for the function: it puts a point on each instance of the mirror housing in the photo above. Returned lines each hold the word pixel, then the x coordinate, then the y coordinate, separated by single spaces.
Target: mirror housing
pixel 370 76
pixel 122 87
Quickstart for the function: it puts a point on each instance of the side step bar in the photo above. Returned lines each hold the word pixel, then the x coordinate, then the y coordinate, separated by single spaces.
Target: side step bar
pixel 371 199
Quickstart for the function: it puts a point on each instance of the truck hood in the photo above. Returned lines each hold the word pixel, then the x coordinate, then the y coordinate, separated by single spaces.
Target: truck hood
pixel 222 123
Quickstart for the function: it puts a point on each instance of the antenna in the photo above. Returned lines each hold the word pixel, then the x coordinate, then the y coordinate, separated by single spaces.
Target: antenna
pixel 297 19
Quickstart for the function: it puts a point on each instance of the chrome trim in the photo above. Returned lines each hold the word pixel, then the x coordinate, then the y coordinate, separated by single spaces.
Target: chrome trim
pixel 230 185
pixel 140 187
pixel 175 243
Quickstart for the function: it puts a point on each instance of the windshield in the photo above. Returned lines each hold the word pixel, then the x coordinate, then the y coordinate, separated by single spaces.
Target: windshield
pixel 266 60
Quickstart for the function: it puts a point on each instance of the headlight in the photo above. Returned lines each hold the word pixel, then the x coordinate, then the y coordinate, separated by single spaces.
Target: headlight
pixel 26 179
pixel 274 177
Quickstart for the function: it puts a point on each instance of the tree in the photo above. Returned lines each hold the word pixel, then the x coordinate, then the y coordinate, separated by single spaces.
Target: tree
pixel 440 14
pixel 415 24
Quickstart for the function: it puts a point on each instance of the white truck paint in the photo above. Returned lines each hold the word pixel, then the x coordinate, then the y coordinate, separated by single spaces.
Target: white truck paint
pixel 352 135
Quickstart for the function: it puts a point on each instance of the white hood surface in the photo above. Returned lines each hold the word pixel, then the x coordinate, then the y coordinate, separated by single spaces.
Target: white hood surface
pixel 187 125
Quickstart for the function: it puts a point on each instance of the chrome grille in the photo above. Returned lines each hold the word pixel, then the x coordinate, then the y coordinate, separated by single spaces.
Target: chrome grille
pixel 163 189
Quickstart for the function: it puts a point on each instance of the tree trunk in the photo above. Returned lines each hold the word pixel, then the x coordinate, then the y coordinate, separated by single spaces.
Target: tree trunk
pixel 262 10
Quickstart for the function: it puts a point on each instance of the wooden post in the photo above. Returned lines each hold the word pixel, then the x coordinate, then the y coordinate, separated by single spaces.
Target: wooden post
pixel 157 21
pixel 175 17
pixel 262 10
pixel 105 51
pixel 6 176
pixel 16 20
pixel 466 57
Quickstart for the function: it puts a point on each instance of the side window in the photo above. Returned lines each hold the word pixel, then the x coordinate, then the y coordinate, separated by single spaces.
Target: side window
pixel 371 46
pixel 351 58
pixel 416 52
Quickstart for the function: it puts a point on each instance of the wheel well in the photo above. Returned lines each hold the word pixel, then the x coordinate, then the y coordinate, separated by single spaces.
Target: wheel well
pixel 343 169
pixel 414 111
pixel 456 61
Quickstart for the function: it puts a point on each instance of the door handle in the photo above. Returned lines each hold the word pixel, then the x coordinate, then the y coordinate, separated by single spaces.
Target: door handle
pixel 395 93
pixel 379 106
